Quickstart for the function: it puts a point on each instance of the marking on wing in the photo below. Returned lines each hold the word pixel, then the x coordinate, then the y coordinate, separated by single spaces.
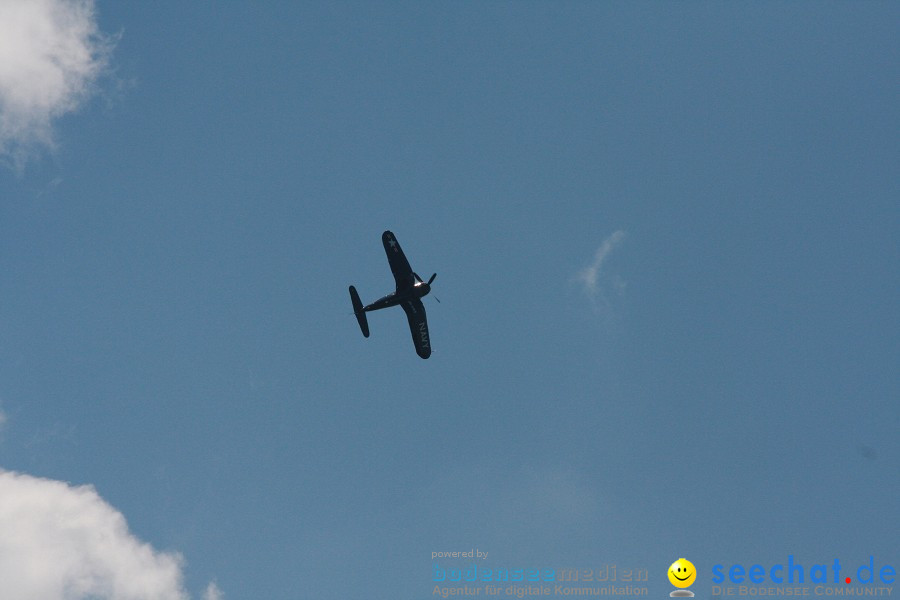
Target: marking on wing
pixel 423 335
pixel 422 327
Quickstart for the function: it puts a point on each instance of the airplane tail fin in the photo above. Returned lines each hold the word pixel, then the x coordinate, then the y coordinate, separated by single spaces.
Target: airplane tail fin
pixel 359 312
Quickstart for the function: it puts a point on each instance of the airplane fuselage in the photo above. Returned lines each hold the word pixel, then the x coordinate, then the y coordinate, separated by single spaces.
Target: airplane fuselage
pixel 419 290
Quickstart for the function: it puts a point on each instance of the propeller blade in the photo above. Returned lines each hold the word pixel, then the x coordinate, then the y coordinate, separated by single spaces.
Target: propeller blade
pixel 432 278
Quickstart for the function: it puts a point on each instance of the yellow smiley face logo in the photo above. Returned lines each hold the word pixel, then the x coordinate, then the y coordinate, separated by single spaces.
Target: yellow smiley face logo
pixel 682 573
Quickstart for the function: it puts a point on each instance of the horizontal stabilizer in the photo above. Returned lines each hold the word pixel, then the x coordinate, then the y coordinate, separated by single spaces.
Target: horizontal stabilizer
pixel 359 312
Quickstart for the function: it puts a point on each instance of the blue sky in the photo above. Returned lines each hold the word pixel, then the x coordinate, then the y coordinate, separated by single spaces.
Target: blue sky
pixel 666 240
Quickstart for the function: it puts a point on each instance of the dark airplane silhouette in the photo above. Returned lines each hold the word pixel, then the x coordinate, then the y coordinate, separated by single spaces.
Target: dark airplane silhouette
pixel 410 290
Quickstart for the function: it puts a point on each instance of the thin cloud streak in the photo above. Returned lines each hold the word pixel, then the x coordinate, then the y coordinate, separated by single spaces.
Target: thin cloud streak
pixel 590 276
pixel 51 56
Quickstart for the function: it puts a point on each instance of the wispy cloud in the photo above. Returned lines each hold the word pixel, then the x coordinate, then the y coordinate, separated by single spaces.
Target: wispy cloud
pixel 51 56
pixel 213 592
pixel 63 542
pixel 591 276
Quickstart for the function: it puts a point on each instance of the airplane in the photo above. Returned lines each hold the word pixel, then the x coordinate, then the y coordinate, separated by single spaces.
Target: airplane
pixel 409 293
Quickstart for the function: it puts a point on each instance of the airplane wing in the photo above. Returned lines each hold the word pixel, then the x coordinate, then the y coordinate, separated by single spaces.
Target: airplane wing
pixel 418 326
pixel 403 273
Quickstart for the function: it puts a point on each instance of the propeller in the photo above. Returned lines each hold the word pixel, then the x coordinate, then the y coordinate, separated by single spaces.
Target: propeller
pixel 429 285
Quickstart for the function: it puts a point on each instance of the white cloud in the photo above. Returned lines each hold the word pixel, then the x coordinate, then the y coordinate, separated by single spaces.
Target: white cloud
pixel 51 56
pixel 590 276
pixel 63 542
